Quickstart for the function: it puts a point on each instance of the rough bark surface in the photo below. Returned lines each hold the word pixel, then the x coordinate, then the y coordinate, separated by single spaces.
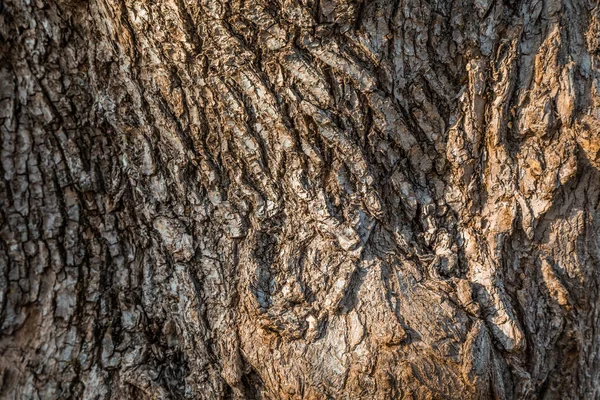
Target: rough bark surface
pixel 299 199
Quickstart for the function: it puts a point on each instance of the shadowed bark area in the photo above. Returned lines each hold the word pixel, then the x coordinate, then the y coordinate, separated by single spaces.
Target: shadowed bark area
pixel 299 199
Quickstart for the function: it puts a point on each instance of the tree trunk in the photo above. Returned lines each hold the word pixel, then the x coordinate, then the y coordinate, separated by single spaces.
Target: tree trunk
pixel 299 199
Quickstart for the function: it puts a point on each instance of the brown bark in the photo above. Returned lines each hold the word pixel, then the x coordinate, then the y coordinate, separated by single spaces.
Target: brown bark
pixel 299 199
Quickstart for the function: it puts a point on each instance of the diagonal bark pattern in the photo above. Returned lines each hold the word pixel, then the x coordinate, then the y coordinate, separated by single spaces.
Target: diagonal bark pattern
pixel 299 199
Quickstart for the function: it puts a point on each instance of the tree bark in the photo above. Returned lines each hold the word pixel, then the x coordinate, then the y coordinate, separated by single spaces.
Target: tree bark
pixel 299 199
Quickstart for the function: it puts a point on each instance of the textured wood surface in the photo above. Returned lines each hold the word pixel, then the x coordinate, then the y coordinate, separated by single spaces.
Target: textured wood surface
pixel 299 199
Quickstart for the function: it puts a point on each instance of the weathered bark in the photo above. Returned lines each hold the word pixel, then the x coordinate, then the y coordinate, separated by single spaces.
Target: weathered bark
pixel 299 199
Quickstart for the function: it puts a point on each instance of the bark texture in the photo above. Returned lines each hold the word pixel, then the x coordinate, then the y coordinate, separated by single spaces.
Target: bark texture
pixel 300 199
